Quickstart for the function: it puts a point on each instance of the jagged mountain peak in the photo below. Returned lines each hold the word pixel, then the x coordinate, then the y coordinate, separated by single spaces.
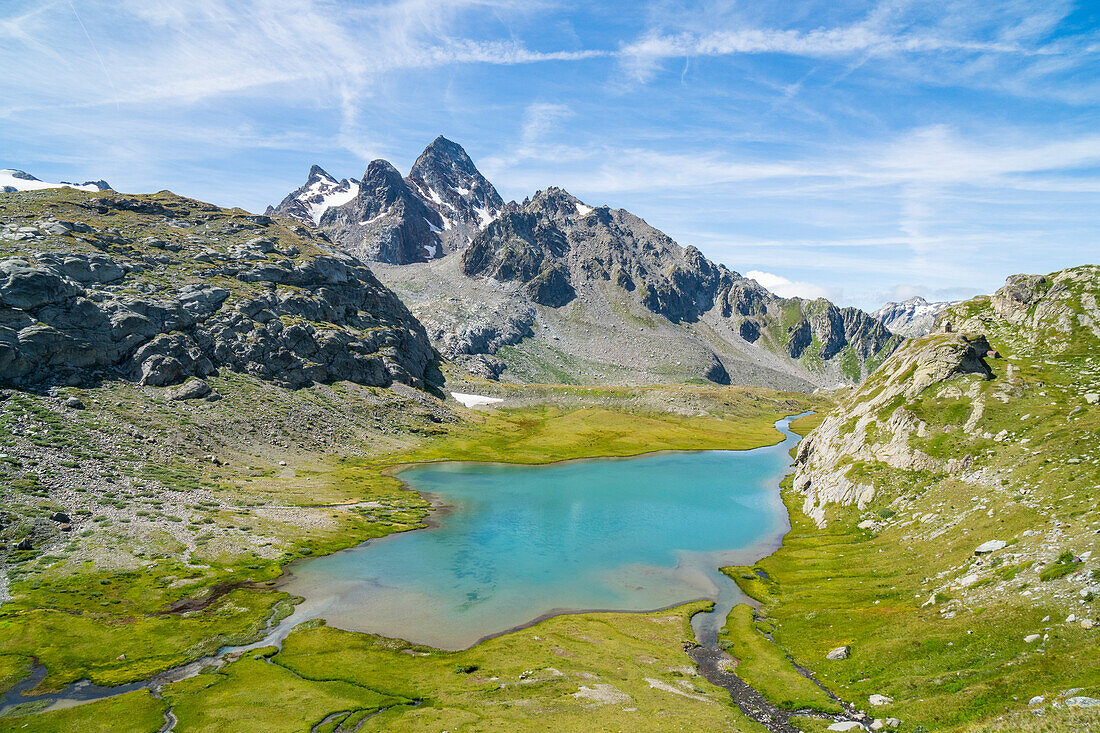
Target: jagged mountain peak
pixel 321 192
pixel 444 151
pixel 317 173
pixel 438 207
pixel 446 177
pixel 381 169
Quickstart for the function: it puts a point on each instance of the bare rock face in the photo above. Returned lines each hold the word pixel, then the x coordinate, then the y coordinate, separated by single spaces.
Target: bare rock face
pixel 442 204
pixel 824 459
pixel 160 288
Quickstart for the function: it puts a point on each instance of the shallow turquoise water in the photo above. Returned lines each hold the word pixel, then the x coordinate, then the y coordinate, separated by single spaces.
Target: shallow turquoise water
pixel 518 542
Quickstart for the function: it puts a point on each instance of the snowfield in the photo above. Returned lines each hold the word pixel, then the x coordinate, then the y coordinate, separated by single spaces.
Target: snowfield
pixel 20 181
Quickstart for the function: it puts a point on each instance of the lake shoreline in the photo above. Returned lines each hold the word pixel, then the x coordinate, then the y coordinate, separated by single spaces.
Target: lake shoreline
pixel 277 631
pixel 691 571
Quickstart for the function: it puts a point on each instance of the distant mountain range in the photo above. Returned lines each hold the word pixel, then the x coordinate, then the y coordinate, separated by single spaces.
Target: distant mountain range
pixel 552 289
pixel 12 180
pixel 911 318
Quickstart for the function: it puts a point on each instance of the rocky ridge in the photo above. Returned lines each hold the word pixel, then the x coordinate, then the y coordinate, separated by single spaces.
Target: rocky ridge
pixel 158 288
pixel 552 289
pixel 581 293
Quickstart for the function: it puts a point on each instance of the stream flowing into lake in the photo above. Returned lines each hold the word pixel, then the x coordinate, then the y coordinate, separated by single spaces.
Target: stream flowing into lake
pixel 511 544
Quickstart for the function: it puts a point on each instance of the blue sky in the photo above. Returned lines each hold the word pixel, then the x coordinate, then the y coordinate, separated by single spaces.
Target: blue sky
pixel 861 151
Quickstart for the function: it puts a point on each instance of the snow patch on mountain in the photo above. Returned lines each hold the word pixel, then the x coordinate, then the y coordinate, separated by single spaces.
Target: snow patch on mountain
pixel 12 180
pixel 484 216
pixel 913 317
pixel 323 195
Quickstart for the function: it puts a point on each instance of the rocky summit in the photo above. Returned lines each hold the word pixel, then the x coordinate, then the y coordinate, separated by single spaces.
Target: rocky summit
pixel 910 318
pixel 160 288
pixel 437 209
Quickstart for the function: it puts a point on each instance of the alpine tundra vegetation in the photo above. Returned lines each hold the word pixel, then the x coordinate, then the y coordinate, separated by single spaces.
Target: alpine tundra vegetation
pixel 198 397
pixel 684 383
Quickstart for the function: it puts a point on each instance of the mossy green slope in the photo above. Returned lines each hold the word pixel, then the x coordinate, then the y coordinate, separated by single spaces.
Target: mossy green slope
pixel 909 489
pixel 587 672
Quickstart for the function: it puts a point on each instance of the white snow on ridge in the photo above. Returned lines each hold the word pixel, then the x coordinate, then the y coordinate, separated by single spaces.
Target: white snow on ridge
pixel 375 218
pixel 433 227
pixel 331 195
pixel 435 197
pixel 473 400
pixel 462 191
pixel 14 179
pixel 484 218
pixel 583 210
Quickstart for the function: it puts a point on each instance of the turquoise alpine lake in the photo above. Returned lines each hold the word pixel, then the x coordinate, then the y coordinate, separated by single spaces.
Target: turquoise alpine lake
pixel 510 544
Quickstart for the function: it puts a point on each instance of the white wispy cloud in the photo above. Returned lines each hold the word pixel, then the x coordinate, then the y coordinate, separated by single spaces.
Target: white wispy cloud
pixel 1007 46
pixel 641 56
pixel 924 160
pixel 785 288
pixel 539 118
pixel 819 140
pixel 189 51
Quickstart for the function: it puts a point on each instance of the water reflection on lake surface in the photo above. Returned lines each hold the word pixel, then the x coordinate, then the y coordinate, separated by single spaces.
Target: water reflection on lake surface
pixel 520 542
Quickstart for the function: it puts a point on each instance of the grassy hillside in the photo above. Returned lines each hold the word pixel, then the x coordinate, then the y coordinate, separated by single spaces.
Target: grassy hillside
pixel 916 469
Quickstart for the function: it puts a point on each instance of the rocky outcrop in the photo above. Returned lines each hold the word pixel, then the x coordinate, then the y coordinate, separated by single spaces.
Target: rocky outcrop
pixel 879 425
pixel 1057 312
pixel 207 296
pixel 874 426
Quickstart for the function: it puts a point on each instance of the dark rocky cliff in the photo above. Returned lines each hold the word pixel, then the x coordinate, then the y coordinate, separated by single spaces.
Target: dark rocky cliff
pixel 159 288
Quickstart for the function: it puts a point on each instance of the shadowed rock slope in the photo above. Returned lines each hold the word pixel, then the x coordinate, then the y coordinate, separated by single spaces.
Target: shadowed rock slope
pixel 158 288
